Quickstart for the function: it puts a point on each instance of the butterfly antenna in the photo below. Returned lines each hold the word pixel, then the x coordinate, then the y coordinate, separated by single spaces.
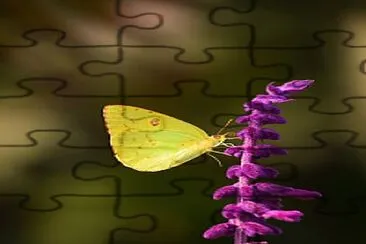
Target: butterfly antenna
pixel 225 126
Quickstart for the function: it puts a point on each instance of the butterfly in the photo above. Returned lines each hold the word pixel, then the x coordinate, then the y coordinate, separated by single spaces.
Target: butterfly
pixel 145 140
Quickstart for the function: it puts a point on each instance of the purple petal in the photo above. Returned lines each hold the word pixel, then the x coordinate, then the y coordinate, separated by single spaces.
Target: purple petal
pixel 285 191
pixel 253 228
pixel 243 119
pixel 267 133
pixel 258 133
pixel 232 208
pixel 247 191
pixel 234 171
pixel 263 107
pixel 262 190
pixel 225 191
pixel 246 210
pixel 288 87
pixel 220 230
pixel 236 151
pixel 231 211
pixel 248 132
pixel 271 99
pixel 238 154
pixel 253 207
pixel 288 216
pixel 255 171
pixel 261 229
pixel 250 170
pixel 264 150
pixel 274 189
pixel 264 119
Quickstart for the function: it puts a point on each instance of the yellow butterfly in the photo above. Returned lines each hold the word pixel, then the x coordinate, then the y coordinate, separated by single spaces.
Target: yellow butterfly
pixel 145 140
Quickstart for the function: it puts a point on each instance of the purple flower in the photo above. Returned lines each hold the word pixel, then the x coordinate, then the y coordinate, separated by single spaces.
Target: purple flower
pixel 247 207
pixel 225 191
pixel 264 150
pixel 251 170
pixel 288 216
pixel 284 191
pixel 258 151
pixel 263 107
pixel 261 119
pixel 220 230
pixel 289 87
pixel 257 202
pixel 258 133
pixel 253 228
pixel 271 99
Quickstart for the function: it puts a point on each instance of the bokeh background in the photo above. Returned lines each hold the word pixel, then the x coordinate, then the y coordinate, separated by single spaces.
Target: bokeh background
pixel 199 61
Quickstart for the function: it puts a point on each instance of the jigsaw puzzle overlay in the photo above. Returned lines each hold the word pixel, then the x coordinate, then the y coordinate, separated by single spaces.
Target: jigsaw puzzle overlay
pixel 198 61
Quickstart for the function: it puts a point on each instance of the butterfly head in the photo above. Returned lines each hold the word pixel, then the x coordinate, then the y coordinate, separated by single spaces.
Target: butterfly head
pixel 218 139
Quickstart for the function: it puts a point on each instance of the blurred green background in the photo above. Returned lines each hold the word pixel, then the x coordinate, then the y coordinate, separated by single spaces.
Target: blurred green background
pixel 199 61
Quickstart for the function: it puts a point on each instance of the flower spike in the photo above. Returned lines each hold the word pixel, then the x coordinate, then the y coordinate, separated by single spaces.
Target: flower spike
pixel 257 202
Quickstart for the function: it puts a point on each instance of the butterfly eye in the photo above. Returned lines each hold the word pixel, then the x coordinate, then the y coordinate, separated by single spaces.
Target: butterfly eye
pixel 155 121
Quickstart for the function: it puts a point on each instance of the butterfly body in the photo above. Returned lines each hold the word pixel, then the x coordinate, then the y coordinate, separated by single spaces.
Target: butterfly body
pixel 149 141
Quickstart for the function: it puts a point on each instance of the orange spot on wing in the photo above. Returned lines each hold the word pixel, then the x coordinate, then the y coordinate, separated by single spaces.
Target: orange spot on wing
pixel 155 122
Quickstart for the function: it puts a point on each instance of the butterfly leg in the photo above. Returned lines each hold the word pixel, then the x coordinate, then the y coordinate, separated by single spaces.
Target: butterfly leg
pixel 218 152
pixel 227 144
pixel 216 159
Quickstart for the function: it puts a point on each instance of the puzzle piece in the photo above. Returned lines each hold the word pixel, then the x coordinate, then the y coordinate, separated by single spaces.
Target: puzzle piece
pixel 92 24
pixel 342 173
pixel 46 60
pixel 43 168
pixel 224 74
pixel 182 218
pixel 330 64
pixel 353 121
pixel 80 116
pixel 83 220
pixel 317 228
pixel 178 30
pixel 289 24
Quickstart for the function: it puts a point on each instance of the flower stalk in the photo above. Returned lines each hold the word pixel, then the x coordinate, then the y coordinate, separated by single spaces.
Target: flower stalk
pixel 257 202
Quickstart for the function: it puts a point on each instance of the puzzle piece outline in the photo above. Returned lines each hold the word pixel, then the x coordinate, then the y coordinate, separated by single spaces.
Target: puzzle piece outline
pixel 63 35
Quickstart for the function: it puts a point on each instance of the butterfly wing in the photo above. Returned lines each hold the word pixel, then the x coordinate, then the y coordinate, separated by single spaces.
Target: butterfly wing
pixel 150 141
